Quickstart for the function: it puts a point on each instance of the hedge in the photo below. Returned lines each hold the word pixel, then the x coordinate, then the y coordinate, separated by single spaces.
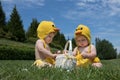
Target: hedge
pixel 16 53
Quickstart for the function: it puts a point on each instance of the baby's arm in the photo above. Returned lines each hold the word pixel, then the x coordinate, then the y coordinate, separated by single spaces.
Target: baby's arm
pixel 41 49
pixel 74 51
pixel 90 55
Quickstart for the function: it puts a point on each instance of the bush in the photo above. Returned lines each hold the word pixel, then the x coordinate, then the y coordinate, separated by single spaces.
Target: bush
pixel 31 40
pixel 118 56
pixel 53 45
pixel 15 53
pixel 12 50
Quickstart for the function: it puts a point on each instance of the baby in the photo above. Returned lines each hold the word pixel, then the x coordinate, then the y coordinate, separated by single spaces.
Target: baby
pixel 46 31
pixel 85 52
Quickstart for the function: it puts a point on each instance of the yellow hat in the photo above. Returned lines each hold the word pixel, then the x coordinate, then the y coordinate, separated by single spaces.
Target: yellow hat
pixel 83 30
pixel 44 28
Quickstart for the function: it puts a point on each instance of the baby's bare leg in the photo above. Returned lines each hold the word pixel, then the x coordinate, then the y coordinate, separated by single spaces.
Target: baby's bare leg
pixel 97 65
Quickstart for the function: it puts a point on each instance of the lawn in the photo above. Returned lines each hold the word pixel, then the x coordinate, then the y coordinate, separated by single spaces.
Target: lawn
pixel 22 70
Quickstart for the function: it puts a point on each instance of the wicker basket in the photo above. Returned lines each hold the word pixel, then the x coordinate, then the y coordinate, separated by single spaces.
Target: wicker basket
pixel 67 60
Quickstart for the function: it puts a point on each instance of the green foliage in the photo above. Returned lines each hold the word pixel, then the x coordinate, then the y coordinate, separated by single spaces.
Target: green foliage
pixel 62 40
pixel 15 53
pixel 32 31
pixel 2 33
pixel 59 40
pixel 118 56
pixel 73 43
pixel 15 27
pixel 31 40
pixel 11 50
pixel 2 21
pixel 57 46
pixel 105 49
pixel 22 70
pixel 2 17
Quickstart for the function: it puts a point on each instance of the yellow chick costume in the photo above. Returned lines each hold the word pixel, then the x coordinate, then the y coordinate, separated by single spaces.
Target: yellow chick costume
pixel 44 28
pixel 84 30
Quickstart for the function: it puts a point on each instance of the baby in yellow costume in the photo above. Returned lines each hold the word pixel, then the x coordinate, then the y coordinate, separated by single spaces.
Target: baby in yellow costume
pixel 46 31
pixel 85 52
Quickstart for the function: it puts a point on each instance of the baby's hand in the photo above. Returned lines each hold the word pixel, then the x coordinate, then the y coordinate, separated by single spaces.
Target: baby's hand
pixel 65 51
pixel 84 55
pixel 55 55
pixel 58 52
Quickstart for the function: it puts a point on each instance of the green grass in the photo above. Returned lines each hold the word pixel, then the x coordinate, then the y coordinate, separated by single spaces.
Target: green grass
pixel 22 70
pixel 10 43
pixel 15 44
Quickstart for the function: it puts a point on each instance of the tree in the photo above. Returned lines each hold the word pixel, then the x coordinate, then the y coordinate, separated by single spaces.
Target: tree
pixel 2 21
pixel 62 40
pixel 32 29
pixel 73 43
pixel 105 49
pixel 57 37
pixel 118 56
pixel 15 27
pixel 59 41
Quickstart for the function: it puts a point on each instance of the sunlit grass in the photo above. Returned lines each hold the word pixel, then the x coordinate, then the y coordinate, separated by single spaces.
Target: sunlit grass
pixel 15 44
pixel 22 70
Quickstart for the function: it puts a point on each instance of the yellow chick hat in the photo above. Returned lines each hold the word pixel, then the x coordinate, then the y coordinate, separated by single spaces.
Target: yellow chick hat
pixel 44 28
pixel 83 30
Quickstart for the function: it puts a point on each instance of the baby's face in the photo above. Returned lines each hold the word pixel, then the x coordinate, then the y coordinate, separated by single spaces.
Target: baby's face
pixel 49 38
pixel 81 41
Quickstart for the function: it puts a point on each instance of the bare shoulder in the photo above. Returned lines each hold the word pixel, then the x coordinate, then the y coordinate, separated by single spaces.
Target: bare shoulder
pixel 39 42
pixel 92 46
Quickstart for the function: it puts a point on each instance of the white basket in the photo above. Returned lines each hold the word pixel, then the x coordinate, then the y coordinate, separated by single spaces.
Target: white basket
pixel 67 60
